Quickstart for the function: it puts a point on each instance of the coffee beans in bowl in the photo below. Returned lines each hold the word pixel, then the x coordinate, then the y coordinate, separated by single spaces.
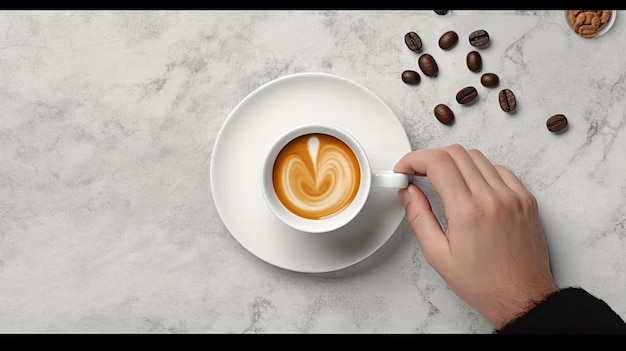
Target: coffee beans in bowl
pixel 557 123
pixel 590 23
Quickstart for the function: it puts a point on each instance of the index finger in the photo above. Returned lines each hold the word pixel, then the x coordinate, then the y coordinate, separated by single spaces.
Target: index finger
pixel 440 168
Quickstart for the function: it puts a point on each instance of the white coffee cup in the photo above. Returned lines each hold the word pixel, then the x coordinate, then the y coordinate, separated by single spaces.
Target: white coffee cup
pixel 368 178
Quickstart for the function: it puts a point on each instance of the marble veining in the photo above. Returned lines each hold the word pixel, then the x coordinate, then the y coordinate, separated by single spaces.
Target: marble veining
pixel 107 222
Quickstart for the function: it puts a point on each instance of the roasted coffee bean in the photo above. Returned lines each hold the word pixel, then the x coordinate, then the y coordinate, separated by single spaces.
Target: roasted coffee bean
pixel 557 123
pixel 428 65
pixel 466 95
pixel 441 12
pixel 507 100
pixel 474 61
pixel 448 40
pixel 489 80
pixel 479 38
pixel 413 41
pixel 444 114
pixel 411 77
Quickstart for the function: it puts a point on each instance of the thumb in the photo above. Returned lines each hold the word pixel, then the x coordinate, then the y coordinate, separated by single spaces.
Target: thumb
pixel 424 225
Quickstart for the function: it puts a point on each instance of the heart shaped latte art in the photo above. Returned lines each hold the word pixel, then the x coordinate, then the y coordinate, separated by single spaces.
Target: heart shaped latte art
pixel 316 176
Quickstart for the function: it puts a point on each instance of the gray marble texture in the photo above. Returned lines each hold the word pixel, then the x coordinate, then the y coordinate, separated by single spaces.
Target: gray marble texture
pixel 109 118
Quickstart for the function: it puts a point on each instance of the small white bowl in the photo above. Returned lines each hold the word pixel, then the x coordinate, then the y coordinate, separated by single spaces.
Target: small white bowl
pixel 606 28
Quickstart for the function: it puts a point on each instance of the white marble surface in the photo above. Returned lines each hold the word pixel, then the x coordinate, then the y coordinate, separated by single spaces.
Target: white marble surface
pixel 107 223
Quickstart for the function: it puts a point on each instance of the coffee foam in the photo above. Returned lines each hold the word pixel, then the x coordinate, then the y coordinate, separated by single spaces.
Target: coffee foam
pixel 316 176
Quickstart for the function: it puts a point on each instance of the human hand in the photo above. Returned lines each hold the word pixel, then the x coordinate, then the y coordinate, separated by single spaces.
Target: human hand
pixel 493 253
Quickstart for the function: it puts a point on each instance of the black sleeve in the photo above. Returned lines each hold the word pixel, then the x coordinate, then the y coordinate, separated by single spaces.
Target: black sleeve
pixel 569 310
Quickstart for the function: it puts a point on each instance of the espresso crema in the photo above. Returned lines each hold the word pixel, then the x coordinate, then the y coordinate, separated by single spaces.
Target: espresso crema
pixel 316 176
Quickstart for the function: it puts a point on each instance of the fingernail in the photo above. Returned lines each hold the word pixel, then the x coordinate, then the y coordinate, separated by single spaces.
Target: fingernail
pixel 404 196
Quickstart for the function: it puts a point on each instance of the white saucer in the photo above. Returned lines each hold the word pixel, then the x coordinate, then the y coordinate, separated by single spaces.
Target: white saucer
pixel 245 138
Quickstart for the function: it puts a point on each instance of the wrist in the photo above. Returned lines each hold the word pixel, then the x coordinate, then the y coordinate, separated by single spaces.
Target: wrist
pixel 516 306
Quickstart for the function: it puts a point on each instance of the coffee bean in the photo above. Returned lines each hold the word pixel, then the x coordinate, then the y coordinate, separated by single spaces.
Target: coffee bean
pixel 507 100
pixel 489 80
pixel 557 123
pixel 448 40
pixel 479 38
pixel 441 12
pixel 444 114
pixel 474 61
pixel 413 41
pixel 428 65
pixel 466 95
pixel 411 77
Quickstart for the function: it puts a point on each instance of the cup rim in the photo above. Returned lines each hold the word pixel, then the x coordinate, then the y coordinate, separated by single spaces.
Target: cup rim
pixel 325 225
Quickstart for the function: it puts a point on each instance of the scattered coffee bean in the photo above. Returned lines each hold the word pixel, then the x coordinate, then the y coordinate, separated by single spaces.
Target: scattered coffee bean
pixel 479 38
pixel 489 80
pixel 444 114
pixel 441 12
pixel 507 100
pixel 474 61
pixel 413 41
pixel 428 65
pixel 448 40
pixel 466 95
pixel 411 77
pixel 557 123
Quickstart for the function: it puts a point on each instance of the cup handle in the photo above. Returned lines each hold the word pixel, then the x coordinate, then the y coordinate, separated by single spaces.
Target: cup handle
pixel 389 179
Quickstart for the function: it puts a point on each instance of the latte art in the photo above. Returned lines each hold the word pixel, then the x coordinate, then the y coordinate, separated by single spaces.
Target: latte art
pixel 316 176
